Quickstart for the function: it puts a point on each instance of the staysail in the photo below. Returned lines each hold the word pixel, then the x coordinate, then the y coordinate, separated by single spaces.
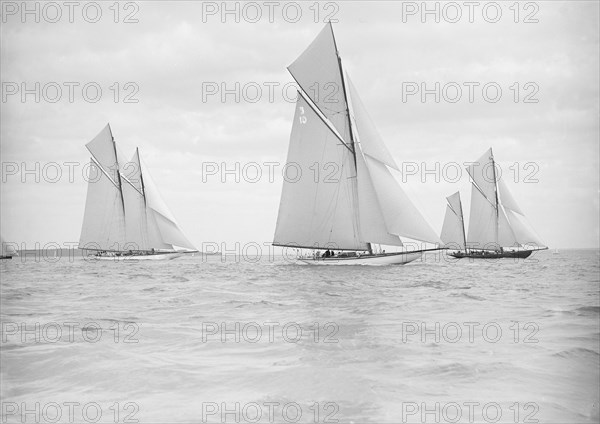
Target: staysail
pixel 168 231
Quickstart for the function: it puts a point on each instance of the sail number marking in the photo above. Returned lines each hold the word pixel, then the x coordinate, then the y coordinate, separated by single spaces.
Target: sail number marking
pixel 302 118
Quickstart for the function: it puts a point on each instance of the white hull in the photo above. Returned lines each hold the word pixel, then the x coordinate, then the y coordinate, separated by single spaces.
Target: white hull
pixel 373 260
pixel 131 258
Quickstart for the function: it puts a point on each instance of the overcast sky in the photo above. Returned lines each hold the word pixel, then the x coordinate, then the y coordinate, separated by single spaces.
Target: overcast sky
pixel 177 51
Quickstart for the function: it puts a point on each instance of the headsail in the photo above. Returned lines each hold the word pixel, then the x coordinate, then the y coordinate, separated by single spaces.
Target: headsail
pixel 160 218
pixel 372 222
pixel 401 216
pixel 523 231
pixel 506 197
pixel 368 136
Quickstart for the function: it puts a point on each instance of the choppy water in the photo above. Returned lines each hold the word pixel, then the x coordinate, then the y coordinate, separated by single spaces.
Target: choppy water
pixel 370 361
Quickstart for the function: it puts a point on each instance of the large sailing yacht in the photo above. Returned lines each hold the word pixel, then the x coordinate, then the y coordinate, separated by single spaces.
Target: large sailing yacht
pixel 125 216
pixel 355 201
pixel 497 226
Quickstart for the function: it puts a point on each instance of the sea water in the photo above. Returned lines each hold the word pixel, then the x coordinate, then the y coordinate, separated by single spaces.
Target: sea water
pixel 227 339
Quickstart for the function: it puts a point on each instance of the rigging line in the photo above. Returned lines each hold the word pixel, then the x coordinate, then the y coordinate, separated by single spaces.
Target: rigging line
pixel 143 187
pixel 118 172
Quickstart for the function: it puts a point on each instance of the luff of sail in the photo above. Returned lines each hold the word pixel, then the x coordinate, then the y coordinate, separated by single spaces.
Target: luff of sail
pixel 122 203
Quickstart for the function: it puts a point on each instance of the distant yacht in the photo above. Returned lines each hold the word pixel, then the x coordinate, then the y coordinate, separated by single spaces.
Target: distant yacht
pixel 6 251
pixel 125 216
pixel 346 198
pixel 497 227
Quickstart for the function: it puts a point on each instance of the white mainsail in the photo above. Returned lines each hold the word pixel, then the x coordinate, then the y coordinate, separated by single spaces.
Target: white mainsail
pixel 104 218
pixel 496 220
pixel 364 204
pixel 317 209
pixel 122 204
pixel 453 229
pixel 482 224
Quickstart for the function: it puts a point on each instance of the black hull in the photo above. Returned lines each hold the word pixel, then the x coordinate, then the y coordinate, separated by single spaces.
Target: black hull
pixel 6 257
pixel 520 254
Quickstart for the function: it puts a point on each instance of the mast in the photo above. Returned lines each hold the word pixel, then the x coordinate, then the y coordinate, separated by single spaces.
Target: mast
pixel 496 198
pixel 118 170
pixel 337 53
pixel 353 150
pixel 462 222
pixel 139 163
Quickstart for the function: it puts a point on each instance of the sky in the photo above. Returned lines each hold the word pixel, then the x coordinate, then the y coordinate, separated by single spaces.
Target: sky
pixel 201 91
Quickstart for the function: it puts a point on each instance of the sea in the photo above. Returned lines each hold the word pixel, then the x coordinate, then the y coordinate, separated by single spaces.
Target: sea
pixel 227 339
